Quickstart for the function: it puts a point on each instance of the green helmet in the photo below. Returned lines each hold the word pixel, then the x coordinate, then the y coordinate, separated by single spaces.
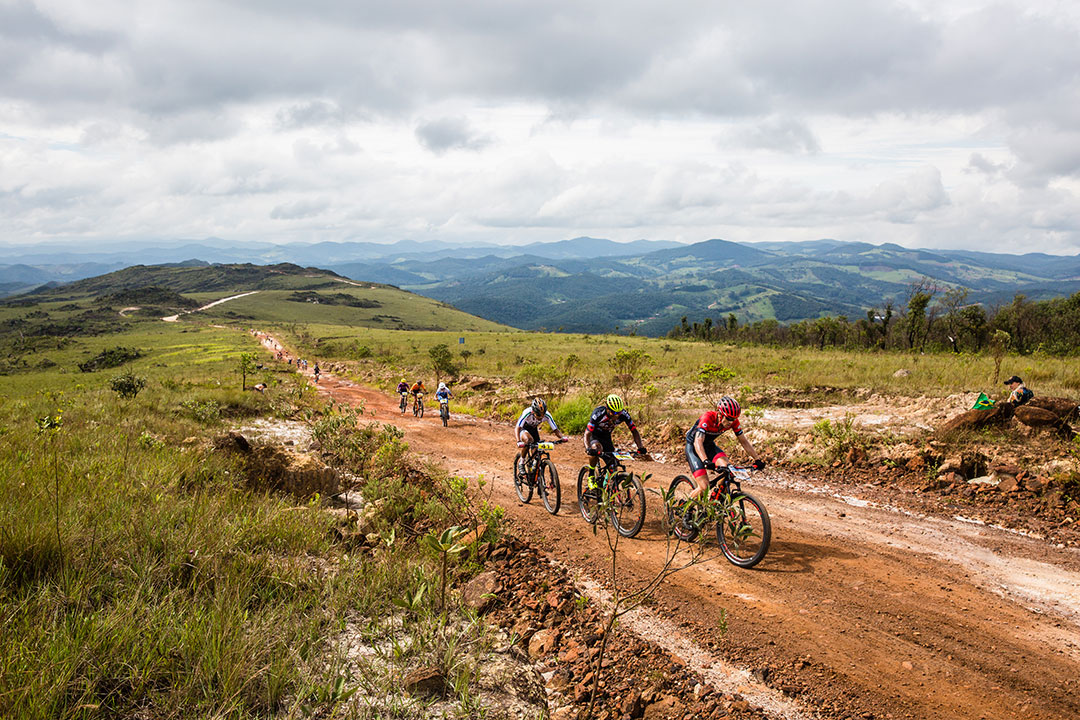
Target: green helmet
pixel 614 403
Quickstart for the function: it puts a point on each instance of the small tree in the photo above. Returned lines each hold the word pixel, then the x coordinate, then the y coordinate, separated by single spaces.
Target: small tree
pixel 628 366
pixel 127 385
pixel 245 365
pixel 713 378
pixel 442 362
pixel 999 345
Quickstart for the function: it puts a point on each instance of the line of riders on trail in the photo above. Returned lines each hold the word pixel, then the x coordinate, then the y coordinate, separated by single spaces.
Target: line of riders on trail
pixel 742 524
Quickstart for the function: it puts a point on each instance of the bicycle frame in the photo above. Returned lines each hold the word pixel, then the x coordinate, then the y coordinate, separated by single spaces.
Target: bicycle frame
pixel 537 452
pixel 718 487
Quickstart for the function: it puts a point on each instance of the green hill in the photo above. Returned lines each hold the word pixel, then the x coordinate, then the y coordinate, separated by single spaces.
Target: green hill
pixel 284 293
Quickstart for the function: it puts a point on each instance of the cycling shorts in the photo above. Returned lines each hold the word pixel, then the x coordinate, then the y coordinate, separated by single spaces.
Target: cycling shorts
pixel 697 465
pixel 535 432
pixel 604 438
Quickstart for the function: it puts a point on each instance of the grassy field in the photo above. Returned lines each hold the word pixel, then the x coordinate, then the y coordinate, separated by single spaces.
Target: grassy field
pixel 396 309
pixel 675 365
pixel 141 575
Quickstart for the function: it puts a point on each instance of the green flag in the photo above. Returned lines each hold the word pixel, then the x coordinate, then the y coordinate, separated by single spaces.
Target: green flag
pixel 983 402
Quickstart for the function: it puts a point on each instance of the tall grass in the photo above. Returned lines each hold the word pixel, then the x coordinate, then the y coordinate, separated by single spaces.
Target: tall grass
pixel 675 364
pixel 179 592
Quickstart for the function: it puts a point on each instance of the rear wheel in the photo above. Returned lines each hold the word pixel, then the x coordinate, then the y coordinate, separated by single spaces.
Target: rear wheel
pixel 678 505
pixel 627 504
pixel 521 484
pixel 547 481
pixel 744 531
pixel 588 500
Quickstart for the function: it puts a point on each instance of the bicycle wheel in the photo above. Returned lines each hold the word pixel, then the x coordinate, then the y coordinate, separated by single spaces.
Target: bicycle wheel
pixel 547 482
pixel 679 492
pixel 421 410
pixel 744 531
pixel 444 414
pixel 403 404
pixel 588 500
pixel 627 504
pixel 521 484
pixel 415 410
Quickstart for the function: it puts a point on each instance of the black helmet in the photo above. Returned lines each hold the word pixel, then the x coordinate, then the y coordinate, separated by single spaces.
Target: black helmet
pixel 539 407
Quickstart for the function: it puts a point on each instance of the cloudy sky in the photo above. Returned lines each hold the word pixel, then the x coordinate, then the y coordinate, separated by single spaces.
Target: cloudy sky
pixel 921 122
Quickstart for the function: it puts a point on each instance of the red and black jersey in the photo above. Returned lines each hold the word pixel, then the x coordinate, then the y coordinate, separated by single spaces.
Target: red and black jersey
pixel 709 426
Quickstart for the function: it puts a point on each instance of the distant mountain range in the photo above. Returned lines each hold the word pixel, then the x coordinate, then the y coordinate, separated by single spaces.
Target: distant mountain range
pixel 596 285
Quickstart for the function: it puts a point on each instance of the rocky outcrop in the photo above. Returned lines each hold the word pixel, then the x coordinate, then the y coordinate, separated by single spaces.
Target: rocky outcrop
pixel 977 419
pixel 272 467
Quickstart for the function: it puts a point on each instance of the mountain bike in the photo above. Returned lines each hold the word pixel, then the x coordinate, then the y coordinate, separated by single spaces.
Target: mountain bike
pixel 743 528
pixel 404 401
pixel 538 472
pixel 418 406
pixel 444 410
pixel 620 490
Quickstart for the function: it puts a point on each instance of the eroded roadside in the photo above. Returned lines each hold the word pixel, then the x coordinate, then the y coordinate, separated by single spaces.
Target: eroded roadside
pixel 857 612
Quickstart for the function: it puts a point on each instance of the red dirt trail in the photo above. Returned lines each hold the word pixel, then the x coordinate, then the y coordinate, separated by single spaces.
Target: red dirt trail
pixel 857 611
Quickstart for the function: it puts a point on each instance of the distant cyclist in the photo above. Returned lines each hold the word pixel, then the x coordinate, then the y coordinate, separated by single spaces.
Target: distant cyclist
pixel 701 450
pixel 602 421
pixel 527 428
pixel 418 389
pixel 317 371
pixel 443 393
pixel 403 387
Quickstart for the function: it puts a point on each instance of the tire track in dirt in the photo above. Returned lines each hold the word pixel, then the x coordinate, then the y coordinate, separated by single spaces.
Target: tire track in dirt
pixel 851 611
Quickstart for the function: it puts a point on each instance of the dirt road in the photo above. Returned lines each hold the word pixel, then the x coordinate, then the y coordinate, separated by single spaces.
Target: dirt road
pixel 857 611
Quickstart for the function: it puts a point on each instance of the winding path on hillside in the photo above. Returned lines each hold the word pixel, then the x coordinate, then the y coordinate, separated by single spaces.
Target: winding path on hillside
pixel 174 318
pixel 860 611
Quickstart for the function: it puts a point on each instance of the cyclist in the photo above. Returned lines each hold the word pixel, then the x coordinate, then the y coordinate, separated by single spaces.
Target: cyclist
pixel 598 432
pixel 527 428
pixel 443 393
pixel 417 389
pixel 403 387
pixel 701 450
pixel 317 371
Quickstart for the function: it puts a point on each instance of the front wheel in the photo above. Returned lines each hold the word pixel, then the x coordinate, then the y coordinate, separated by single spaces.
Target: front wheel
pixel 403 404
pixel 679 506
pixel 588 499
pixel 744 531
pixel 627 500
pixel 444 413
pixel 522 486
pixel 547 483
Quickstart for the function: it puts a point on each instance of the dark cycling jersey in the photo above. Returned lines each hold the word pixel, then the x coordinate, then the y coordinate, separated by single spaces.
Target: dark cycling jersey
pixel 709 426
pixel 403 387
pixel 604 421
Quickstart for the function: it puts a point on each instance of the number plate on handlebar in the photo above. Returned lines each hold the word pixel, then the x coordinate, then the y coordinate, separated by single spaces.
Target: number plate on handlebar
pixel 546 445
pixel 621 455
pixel 739 473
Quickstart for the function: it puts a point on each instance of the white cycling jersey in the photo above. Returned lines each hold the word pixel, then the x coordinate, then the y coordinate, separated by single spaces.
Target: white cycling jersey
pixel 527 419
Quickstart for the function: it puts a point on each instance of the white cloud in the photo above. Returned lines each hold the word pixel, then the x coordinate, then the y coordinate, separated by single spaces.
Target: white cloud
pixel 508 120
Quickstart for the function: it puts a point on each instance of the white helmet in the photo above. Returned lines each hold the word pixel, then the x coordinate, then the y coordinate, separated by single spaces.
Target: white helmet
pixel 442 386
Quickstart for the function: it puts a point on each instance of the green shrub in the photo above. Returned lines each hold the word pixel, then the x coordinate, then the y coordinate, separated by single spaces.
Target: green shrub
pixel 127 385
pixel 572 414
pixel 837 437
pixel 110 358
pixel 205 411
